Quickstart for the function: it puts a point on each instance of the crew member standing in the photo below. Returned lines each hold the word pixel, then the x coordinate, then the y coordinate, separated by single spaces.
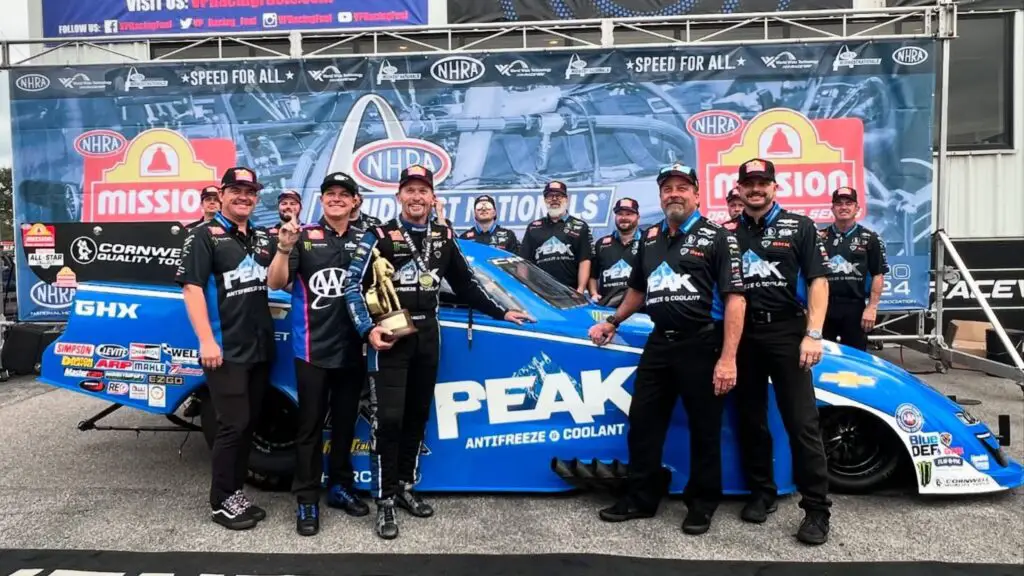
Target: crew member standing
pixel 735 203
pixel 486 230
pixel 223 277
pixel 402 373
pixel 859 266
pixel 560 244
pixel 615 255
pixel 210 204
pixel 785 274
pixel 687 267
pixel 329 362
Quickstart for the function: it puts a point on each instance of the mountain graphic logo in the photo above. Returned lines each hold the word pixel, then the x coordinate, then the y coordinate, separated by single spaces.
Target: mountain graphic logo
pixel 618 271
pixel 665 279
pixel 754 266
pixel 554 247
pixel 841 265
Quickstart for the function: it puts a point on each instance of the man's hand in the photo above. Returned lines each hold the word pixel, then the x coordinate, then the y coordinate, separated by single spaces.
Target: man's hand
pixel 725 375
pixel 867 321
pixel 518 317
pixel 595 298
pixel 287 235
pixel 380 338
pixel 210 355
pixel 601 333
pixel 810 352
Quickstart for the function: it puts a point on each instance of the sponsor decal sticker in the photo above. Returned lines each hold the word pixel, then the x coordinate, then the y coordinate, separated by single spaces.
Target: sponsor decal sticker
pixel 980 461
pixel 66 279
pixel 178 369
pixel 91 385
pixel 948 461
pixel 846 379
pixel 909 418
pixel 79 373
pixel 38 236
pixel 138 392
pixel 150 352
pixel 924 473
pixel 117 388
pixel 73 349
pixel 76 362
pixel 457 70
pixel 111 351
pixel 99 143
pixel 910 55
pixel 157 396
pixel 45 258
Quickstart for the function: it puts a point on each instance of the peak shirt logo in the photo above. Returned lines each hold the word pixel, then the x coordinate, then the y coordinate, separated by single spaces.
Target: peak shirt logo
pixel 158 176
pixel 664 279
pixel 812 158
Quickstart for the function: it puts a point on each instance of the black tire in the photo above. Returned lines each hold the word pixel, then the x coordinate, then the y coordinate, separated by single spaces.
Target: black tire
pixel 861 452
pixel 272 456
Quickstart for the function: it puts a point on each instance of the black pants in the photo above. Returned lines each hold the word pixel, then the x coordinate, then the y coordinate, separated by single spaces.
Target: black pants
pixel 318 388
pixel 402 383
pixel 670 368
pixel 236 391
pixel 842 323
pixel 773 350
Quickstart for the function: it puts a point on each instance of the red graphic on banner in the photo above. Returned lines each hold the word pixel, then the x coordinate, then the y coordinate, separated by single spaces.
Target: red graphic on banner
pixel 812 158
pixel 157 177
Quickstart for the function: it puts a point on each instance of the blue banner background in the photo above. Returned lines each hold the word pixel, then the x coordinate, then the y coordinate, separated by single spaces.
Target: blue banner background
pixel 603 121
pixel 69 18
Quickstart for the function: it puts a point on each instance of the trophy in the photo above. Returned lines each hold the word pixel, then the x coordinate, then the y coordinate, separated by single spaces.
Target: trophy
pixel 382 300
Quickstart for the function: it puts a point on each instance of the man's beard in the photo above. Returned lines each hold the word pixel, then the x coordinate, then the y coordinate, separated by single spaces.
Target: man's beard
pixel 676 213
pixel 557 212
pixel 626 229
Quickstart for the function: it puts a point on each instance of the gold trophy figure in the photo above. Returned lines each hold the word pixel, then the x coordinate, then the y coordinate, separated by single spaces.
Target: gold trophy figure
pixel 382 301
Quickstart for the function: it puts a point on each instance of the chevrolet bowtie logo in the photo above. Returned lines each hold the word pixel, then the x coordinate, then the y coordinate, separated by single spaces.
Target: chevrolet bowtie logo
pixel 847 379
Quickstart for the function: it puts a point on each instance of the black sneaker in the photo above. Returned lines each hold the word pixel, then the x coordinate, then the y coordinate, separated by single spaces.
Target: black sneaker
pixel 757 510
pixel 345 499
pixel 624 510
pixel 413 504
pixel 387 526
pixel 814 529
pixel 307 519
pixel 696 522
pixel 258 513
pixel 233 514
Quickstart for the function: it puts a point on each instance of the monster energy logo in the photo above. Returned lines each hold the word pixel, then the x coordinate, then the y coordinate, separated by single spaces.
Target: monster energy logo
pixel 924 470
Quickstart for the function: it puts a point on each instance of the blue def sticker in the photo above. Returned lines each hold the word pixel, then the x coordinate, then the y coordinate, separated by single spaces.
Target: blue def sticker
pixel 909 418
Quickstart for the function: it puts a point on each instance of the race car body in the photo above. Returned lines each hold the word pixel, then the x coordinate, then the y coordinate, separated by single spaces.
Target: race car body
pixel 533 408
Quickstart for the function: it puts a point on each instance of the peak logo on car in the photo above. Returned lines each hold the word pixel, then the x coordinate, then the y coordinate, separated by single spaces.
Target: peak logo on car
pixel 158 176
pixel 812 158
pixel 99 143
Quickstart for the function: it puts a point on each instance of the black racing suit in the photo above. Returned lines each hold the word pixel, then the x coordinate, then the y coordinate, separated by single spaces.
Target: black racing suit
pixel 856 257
pixel 231 267
pixel 364 221
pixel 402 378
pixel 329 362
pixel 781 255
pixel 684 278
pixel 496 236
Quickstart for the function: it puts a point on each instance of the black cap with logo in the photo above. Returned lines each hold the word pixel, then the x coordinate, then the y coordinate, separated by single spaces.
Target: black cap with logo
pixel 556 187
pixel 484 198
pixel 289 194
pixel 209 192
pixel 844 193
pixel 757 168
pixel 417 172
pixel 677 169
pixel 240 176
pixel 733 194
pixel 627 204
pixel 339 179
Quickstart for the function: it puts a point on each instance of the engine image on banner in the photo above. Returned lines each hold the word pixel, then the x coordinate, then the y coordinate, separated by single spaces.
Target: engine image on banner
pixel 117 144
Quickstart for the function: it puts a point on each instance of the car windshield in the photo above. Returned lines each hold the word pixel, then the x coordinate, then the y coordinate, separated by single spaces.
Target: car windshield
pixel 490 285
pixel 540 282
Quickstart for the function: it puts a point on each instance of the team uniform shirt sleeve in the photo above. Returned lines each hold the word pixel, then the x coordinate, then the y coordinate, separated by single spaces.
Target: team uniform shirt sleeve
pixel 637 280
pixel 465 284
pixel 196 258
pixel 595 274
pixel 811 254
pixel 358 279
pixel 526 249
pixel 878 261
pixel 728 264
pixel 585 244
pixel 513 242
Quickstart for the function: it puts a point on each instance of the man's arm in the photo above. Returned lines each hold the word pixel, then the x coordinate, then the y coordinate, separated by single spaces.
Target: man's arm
pixel 585 255
pixel 358 279
pixel 813 260
pixel 283 268
pixel 878 267
pixel 631 302
pixel 465 284
pixel 729 266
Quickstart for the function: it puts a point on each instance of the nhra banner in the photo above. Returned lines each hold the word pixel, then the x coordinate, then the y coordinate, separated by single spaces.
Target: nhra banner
pixel 112 18
pixel 100 145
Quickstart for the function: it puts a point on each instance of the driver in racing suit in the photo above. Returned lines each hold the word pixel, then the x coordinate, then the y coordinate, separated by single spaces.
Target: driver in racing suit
pixel 329 360
pixel 403 372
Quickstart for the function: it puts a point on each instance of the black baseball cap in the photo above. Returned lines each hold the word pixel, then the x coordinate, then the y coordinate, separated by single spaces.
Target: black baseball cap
pixel 339 179
pixel 627 204
pixel 209 192
pixel 484 198
pixel 844 192
pixel 289 194
pixel 677 169
pixel 240 176
pixel 757 168
pixel 734 193
pixel 417 172
pixel 556 187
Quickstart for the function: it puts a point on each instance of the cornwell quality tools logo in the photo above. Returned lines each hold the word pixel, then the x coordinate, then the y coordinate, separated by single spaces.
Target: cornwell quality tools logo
pixel 812 158
pixel 157 176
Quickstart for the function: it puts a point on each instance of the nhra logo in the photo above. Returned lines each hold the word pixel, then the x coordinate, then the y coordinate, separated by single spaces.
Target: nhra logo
pixel 910 55
pixel 49 296
pixel 812 158
pixel 158 176
pixel 457 70
pixel 99 143
pixel 32 82
pixel 714 123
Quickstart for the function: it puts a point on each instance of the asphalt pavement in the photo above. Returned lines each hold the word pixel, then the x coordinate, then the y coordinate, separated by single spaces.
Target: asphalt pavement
pixel 61 488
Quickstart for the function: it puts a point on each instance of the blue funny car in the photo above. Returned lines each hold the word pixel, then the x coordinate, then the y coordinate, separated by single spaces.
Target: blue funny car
pixel 534 408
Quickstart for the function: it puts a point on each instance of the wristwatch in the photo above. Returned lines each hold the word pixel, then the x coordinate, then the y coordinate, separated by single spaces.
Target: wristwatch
pixel 613 320
pixel 814 334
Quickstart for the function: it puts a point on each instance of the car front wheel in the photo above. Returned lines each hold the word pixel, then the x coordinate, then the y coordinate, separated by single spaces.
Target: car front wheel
pixel 861 451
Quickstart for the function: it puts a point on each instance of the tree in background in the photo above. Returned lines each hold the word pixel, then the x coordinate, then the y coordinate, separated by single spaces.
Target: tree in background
pixel 6 205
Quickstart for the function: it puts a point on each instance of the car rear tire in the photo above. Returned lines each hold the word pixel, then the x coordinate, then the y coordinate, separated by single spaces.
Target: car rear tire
pixel 272 455
pixel 861 452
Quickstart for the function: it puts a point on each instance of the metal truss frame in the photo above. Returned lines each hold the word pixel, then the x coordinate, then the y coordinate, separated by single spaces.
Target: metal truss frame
pixel 937 21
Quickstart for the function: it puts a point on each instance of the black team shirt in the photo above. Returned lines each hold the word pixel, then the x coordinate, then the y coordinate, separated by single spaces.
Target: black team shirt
pixel 856 257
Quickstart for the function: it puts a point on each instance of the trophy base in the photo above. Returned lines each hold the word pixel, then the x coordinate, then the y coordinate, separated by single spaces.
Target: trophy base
pixel 399 323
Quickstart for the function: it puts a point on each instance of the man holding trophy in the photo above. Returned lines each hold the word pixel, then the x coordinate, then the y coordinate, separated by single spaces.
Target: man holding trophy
pixel 392 293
